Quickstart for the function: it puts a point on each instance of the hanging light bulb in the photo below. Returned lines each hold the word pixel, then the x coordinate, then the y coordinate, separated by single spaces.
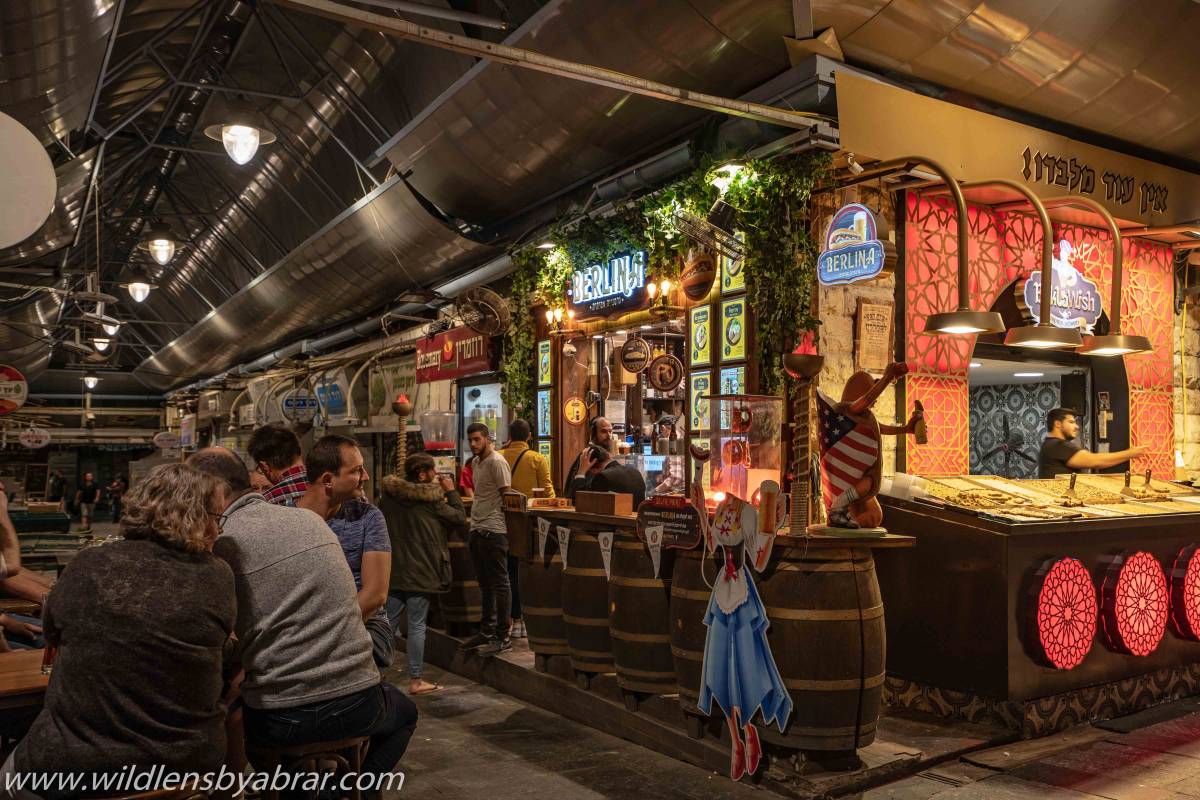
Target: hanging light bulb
pixel 160 243
pixel 664 287
pixel 241 142
pixel 139 285
pixel 241 132
pixel 558 314
pixel 549 316
pixel 101 343
pixel 90 380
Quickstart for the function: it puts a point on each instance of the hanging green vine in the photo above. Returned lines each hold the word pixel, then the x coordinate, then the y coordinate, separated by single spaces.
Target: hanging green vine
pixel 771 199
pixel 519 356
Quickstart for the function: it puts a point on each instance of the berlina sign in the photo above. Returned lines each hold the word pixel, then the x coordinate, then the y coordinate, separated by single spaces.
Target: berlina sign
pixel 852 251
pixel 618 285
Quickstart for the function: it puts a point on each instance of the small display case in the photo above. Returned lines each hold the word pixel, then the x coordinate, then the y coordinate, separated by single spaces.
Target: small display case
pixel 746 440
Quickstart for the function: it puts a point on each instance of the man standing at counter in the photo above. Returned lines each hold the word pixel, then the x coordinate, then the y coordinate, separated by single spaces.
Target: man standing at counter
pixel 488 543
pixel 1061 454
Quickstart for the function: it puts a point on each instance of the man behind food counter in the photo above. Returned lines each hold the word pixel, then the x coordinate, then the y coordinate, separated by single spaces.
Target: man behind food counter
pixel 1061 454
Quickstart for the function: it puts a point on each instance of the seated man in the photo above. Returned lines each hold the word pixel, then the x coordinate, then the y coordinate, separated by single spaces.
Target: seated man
pixel 309 676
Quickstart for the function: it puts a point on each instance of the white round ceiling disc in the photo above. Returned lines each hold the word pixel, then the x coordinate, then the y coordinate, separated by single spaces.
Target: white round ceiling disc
pixel 29 183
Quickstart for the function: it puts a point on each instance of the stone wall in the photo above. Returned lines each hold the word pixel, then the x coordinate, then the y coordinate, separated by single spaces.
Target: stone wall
pixel 1187 409
pixel 837 305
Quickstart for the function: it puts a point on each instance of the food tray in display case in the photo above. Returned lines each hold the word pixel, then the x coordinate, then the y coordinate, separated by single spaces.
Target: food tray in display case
pixel 1048 499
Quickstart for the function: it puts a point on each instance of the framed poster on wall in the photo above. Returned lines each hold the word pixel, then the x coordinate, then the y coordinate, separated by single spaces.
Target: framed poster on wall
pixel 733 381
pixel 543 375
pixel 733 275
pixel 873 336
pixel 700 336
pixel 699 384
pixel 733 329
pixel 543 412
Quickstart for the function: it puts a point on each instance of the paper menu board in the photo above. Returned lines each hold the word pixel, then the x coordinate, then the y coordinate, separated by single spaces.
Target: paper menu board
pixel 543 375
pixel 733 329
pixel 699 383
pixel 700 336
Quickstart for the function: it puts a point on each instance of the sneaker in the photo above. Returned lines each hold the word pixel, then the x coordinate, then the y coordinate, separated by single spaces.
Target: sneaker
pixel 496 647
pixel 518 630
pixel 478 640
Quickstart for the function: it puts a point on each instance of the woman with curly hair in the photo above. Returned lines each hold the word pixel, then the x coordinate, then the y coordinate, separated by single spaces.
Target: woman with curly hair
pixel 141 625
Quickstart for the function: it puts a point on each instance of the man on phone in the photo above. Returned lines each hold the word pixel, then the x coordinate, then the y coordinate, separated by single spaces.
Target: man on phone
pixel 603 474
pixel 600 432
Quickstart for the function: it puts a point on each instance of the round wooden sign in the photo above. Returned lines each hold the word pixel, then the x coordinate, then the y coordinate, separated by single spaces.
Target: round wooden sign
pixel 575 410
pixel 635 354
pixel 665 373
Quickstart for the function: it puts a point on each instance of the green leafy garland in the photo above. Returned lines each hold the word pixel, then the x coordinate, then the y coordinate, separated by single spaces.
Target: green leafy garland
pixel 771 198
pixel 519 356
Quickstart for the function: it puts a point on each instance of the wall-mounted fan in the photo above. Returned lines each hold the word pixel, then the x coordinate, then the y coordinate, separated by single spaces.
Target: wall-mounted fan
pixel 714 231
pixel 483 310
pixel 1011 446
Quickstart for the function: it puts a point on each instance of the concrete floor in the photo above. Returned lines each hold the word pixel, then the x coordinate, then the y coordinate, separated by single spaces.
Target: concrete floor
pixel 473 742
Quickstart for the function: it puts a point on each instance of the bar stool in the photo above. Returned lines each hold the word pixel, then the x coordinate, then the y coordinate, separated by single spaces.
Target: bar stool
pixel 346 753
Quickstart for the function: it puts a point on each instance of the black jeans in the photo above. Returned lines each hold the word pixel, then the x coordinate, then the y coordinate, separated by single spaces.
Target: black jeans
pixel 489 554
pixel 383 712
pixel 514 584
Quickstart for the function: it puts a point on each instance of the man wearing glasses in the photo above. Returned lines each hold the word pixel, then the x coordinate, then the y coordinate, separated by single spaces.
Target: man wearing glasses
pixel 279 461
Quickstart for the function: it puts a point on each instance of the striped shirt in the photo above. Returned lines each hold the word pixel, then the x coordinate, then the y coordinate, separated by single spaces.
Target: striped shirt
pixel 292 483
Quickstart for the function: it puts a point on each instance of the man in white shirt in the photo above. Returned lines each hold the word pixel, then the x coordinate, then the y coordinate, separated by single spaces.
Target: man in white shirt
pixel 489 542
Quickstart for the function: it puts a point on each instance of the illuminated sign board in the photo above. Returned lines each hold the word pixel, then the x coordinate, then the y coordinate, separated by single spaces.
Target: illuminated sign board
pixel 620 283
pixel 852 251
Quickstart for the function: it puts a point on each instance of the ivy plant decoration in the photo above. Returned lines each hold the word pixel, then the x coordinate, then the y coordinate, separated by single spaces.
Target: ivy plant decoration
pixel 519 352
pixel 771 198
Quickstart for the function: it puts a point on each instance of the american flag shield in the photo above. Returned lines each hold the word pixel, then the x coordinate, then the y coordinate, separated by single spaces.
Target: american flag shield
pixel 848 450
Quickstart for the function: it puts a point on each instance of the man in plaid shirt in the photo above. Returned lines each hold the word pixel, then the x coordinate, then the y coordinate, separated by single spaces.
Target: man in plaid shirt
pixel 277 457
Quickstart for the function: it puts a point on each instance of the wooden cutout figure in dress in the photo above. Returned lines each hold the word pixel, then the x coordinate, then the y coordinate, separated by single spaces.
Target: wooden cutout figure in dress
pixel 739 670
pixel 851 465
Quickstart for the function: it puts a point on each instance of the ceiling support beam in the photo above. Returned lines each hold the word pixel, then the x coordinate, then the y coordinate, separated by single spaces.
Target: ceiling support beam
pixel 528 59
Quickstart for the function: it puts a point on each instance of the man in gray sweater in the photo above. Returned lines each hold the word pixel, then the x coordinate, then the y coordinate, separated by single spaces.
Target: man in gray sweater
pixel 301 640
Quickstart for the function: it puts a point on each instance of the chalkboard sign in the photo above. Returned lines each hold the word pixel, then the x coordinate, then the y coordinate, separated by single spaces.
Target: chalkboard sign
pixel 679 519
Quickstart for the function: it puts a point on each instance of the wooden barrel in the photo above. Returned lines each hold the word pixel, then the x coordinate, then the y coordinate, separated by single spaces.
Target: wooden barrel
pixel 585 605
pixel 689 603
pixel 828 639
pixel 463 603
pixel 639 619
pixel 541 600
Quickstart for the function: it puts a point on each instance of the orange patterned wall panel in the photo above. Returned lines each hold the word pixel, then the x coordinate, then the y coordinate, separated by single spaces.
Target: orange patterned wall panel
pixel 1003 247
pixel 947 419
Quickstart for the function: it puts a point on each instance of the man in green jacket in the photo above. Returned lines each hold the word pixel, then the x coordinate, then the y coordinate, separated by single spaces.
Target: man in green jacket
pixel 420 509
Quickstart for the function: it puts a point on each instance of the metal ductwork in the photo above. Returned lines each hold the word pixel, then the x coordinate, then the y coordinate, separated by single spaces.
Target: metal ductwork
pixel 505 138
pixel 52 53
pixel 280 202
pixel 51 60
pixel 383 245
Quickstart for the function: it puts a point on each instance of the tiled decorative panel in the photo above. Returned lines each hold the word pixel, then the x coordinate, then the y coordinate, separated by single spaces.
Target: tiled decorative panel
pixel 1004 247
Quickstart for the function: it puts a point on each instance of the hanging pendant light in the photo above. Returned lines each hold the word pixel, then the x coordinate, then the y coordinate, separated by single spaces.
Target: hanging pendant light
pixel 241 130
pixel 139 285
pixel 160 243
pixel 90 380
pixel 101 343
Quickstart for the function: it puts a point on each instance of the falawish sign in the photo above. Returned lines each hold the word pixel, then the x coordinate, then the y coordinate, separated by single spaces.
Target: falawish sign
pixel 852 251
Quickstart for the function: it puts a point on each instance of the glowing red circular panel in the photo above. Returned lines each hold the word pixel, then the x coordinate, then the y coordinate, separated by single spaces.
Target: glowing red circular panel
pixel 1065 613
pixel 1135 601
pixel 1185 594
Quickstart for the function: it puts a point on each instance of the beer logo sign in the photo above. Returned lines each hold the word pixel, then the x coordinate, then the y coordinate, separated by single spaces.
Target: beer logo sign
pixel 635 354
pixel 665 373
pixel 575 410
pixel 852 251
